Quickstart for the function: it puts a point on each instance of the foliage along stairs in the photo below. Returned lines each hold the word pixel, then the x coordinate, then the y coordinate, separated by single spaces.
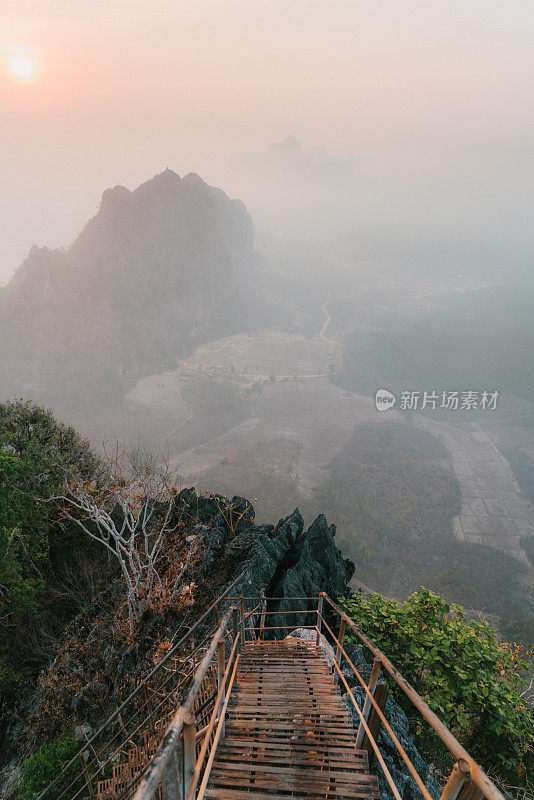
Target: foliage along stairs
pixel 288 732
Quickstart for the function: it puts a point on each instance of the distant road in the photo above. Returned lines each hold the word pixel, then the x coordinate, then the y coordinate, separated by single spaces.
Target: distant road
pixel 336 345
pixel 328 320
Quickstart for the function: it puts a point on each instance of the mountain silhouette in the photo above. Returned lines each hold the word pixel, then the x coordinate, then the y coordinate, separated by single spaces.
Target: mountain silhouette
pixel 155 271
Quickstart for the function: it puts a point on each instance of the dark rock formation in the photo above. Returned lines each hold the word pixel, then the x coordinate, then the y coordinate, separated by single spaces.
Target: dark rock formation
pixel 285 560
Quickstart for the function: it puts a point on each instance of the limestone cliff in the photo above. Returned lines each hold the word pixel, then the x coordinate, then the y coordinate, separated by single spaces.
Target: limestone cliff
pixel 156 270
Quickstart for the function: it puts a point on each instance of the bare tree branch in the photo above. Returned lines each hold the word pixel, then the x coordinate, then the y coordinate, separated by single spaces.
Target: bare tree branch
pixel 129 516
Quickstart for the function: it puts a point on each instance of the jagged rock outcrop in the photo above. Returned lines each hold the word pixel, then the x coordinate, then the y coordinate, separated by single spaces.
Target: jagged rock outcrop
pixel 286 561
pixel 155 271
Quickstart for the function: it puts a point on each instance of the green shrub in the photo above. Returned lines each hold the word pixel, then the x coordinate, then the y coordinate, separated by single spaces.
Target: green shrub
pixel 36 455
pixel 471 680
pixel 44 765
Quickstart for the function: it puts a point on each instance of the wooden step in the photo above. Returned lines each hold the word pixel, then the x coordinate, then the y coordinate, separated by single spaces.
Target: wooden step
pixel 288 732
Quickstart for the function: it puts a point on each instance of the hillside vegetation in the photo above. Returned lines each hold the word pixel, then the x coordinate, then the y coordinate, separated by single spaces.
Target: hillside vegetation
pixel 77 635
pixel 47 571
pixel 489 331
pixel 395 496
pixel 473 682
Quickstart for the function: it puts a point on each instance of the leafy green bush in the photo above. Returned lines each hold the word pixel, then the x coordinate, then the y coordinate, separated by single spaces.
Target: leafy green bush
pixel 36 454
pixel 38 557
pixel 44 765
pixel 470 679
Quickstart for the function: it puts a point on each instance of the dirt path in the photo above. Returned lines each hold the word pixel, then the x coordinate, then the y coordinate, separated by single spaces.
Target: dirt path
pixel 328 320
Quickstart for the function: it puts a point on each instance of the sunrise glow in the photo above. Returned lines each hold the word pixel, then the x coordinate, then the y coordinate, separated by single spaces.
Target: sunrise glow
pixel 21 67
pixel 20 63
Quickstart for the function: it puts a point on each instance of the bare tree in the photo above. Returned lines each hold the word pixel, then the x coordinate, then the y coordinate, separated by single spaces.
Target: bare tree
pixel 129 512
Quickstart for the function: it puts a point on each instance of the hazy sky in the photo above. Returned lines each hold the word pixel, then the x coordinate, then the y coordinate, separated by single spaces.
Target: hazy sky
pixel 434 97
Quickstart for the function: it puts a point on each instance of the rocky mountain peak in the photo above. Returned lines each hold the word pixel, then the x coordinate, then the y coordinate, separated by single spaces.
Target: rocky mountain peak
pixel 155 269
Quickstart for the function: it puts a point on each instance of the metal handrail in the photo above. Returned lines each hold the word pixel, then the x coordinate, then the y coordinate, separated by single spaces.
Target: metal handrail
pixel 477 774
pixel 217 716
pixel 362 716
pixel 182 718
pixel 365 726
pixel 205 733
pixel 218 734
pixel 140 686
pixel 175 766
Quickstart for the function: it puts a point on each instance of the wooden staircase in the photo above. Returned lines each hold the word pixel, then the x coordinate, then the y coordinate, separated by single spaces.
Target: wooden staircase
pixel 229 716
pixel 288 732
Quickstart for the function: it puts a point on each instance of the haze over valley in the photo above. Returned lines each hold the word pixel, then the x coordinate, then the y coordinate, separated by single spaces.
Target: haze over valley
pixel 252 367
pixel 266 330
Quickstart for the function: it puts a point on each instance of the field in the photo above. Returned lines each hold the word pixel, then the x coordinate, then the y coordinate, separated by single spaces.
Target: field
pixel 257 415
pixel 260 355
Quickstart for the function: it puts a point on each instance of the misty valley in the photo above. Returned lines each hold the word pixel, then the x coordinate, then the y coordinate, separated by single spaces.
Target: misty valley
pixel 244 360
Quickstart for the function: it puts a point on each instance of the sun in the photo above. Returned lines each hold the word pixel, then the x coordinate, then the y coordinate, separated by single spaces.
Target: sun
pixel 20 62
pixel 22 68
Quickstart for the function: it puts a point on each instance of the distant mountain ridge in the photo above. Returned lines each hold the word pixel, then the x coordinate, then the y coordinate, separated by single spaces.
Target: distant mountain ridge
pixel 288 160
pixel 156 270
pixel 290 188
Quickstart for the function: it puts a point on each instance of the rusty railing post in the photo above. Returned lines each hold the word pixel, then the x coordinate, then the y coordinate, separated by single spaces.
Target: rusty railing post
pixel 189 751
pixel 319 620
pixel 234 624
pixel 263 612
pixel 341 636
pixel 367 705
pixel 252 627
pixel 457 778
pixel 242 620
pixel 220 676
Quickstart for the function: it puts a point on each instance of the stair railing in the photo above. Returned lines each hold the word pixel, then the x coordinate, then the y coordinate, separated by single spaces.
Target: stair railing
pixel 177 769
pixel 153 701
pixel 175 765
pixel 178 766
pixel 467 780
